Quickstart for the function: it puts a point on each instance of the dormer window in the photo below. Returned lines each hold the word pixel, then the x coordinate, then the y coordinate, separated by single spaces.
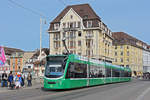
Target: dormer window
pixel 56 26
pixel 64 25
pixel 85 16
pixel 89 24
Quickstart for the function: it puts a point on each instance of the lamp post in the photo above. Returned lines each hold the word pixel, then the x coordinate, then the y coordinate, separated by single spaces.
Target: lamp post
pixel 41 24
pixel 40 35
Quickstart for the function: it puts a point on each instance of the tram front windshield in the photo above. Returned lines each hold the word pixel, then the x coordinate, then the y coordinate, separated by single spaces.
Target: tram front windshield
pixel 55 67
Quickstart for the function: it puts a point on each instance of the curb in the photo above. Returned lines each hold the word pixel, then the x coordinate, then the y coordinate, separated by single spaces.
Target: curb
pixel 37 86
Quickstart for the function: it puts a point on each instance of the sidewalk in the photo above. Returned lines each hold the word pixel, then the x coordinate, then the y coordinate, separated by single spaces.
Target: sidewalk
pixel 37 83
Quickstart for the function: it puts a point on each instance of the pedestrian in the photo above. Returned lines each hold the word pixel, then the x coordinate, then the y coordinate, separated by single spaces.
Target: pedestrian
pixel 4 79
pixel 23 78
pixel 10 79
pixel 18 80
pixel 29 79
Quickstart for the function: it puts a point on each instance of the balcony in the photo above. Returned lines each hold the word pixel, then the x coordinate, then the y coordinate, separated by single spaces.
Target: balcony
pixel 72 37
pixel 70 29
pixel 89 36
pixel 56 39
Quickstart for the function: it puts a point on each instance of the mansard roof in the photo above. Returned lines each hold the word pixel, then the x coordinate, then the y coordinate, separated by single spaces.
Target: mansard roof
pixel 121 38
pixel 83 10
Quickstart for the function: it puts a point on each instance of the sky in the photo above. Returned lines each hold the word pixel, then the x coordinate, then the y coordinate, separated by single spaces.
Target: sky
pixel 20 28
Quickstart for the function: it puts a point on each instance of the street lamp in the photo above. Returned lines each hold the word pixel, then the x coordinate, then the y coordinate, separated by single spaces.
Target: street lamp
pixel 40 59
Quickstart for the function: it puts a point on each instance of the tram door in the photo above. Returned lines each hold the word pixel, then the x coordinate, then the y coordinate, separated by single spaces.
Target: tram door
pixel 88 74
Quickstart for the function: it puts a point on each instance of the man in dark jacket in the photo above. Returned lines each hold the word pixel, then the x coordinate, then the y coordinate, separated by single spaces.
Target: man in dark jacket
pixel 10 79
pixel 4 79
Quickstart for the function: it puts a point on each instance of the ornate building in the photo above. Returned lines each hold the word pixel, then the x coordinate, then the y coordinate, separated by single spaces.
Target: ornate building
pixel 84 31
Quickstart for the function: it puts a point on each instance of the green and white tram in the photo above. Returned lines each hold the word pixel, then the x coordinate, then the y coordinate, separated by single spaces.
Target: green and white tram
pixel 73 71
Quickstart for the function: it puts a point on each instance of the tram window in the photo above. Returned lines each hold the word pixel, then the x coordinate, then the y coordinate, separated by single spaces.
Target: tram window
pixel 126 74
pixel 113 72
pixel 108 72
pixel 122 74
pixel 100 72
pixel 117 74
pixel 77 70
pixel 96 71
pixel 93 71
pixel 129 74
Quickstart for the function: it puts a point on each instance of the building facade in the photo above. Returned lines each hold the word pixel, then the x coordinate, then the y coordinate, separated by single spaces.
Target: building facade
pixel 16 62
pixel 84 32
pixel 146 58
pixel 11 59
pixel 26 57
pixel 39 61
pixel 128 52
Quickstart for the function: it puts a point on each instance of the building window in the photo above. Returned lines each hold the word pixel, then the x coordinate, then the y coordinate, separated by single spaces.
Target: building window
pixel 127 53
pixel 121 53
pixel 127 47
pixel 71 16
pixel 68 24
pixel 64 34
pixel 85 16
pixel 121 59
pixel 89 24
pixel 72 34
pixel 75 24
pixel 88 52
pixel 127 59
pixel 71 44
pixel 56 45
pixel 88 44
pixel 56 36
pixel 79 24
pixel 116 60
pixel 89 33
pixel 79 43
pixel 115 53
pixel 64 25
pixel 79 33
pixel 56 26
pixel 71 25
pixel 121 47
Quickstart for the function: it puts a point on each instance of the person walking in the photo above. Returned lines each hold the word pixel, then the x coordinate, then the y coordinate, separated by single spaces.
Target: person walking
pixel 23 78
pixel 10 79
pixel 29 79
pixel 4 79
pixel 18 80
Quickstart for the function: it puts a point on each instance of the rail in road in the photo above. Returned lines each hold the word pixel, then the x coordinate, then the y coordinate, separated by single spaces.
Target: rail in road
pixel 121 91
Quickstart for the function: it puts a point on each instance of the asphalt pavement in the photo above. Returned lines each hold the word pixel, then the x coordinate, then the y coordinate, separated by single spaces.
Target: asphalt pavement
pixel 134 90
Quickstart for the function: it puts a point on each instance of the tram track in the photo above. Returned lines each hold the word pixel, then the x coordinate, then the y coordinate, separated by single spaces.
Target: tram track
pixel 40 94
pixel 74 93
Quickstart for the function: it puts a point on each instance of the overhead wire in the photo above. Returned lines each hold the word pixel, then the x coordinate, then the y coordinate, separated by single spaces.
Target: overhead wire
pixel 62 2
pixel 27 9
